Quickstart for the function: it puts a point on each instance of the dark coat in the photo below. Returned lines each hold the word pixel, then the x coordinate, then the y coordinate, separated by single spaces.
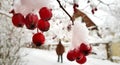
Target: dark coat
pixel 60 49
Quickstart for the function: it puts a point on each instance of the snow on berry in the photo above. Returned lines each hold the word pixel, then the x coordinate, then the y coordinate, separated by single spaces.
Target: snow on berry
pixel 80 33
pixel 79 38
pixel 27 6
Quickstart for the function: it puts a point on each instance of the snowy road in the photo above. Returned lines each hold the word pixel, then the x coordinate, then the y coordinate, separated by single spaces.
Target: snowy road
pixel 44 57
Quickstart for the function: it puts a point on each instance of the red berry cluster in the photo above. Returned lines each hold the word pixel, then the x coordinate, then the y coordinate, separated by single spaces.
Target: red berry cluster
pixel 31 21
pixel 79 54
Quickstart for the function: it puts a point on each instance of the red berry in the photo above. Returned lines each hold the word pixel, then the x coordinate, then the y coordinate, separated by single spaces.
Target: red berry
pixel 43 25
pixel 31 21
pixel 85 49
pixel 71 55
pixel 88 1
pixel 45 13
pixel 93 11
pixel 18 20
pixel 38 39
pixel 81 60
pixel 78 55
pixel 74 7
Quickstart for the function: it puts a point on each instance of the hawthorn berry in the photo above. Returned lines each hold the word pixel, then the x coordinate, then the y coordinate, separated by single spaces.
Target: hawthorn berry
pixel 43 25
pixel 45 13
pixel 31 21
pixel 81 60
pixel 78 54
pixel 18 20
pixel 71 55
pixel 85 49
pixel 69 27
pixel 38 39
pixel 74 6
pixel 93 11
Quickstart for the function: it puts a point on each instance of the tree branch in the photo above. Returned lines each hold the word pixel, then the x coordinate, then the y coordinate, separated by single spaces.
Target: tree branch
pixel 65 11
pixel 103 2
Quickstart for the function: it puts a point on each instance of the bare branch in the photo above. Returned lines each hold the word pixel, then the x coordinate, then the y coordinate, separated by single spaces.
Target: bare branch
pixel 0 4
pixel 65 11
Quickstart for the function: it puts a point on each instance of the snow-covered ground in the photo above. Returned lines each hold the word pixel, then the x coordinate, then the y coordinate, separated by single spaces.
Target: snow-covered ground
pixel 45 57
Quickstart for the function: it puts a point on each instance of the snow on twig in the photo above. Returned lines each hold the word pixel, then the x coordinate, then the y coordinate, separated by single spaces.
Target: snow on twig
pixel 5 13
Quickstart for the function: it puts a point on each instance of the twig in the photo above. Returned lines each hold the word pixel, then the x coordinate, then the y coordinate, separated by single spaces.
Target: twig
pixel 65 11
pixel 103 2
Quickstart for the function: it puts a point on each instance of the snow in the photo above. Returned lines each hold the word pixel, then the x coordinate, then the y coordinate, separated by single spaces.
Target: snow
pixel 45 57
pixel 25 7
pixel 80 33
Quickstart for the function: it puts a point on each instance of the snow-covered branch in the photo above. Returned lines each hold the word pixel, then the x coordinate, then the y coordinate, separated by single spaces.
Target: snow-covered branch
pixel 5 13
pixel 103 3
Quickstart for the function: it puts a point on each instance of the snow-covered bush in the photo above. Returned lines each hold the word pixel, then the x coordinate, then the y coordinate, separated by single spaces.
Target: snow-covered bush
pixel 11 38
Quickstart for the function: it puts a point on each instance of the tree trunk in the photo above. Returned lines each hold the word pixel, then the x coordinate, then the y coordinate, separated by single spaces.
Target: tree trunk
pixel 108 50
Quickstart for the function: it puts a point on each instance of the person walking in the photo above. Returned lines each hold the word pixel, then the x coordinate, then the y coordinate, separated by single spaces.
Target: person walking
pixel 60 50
